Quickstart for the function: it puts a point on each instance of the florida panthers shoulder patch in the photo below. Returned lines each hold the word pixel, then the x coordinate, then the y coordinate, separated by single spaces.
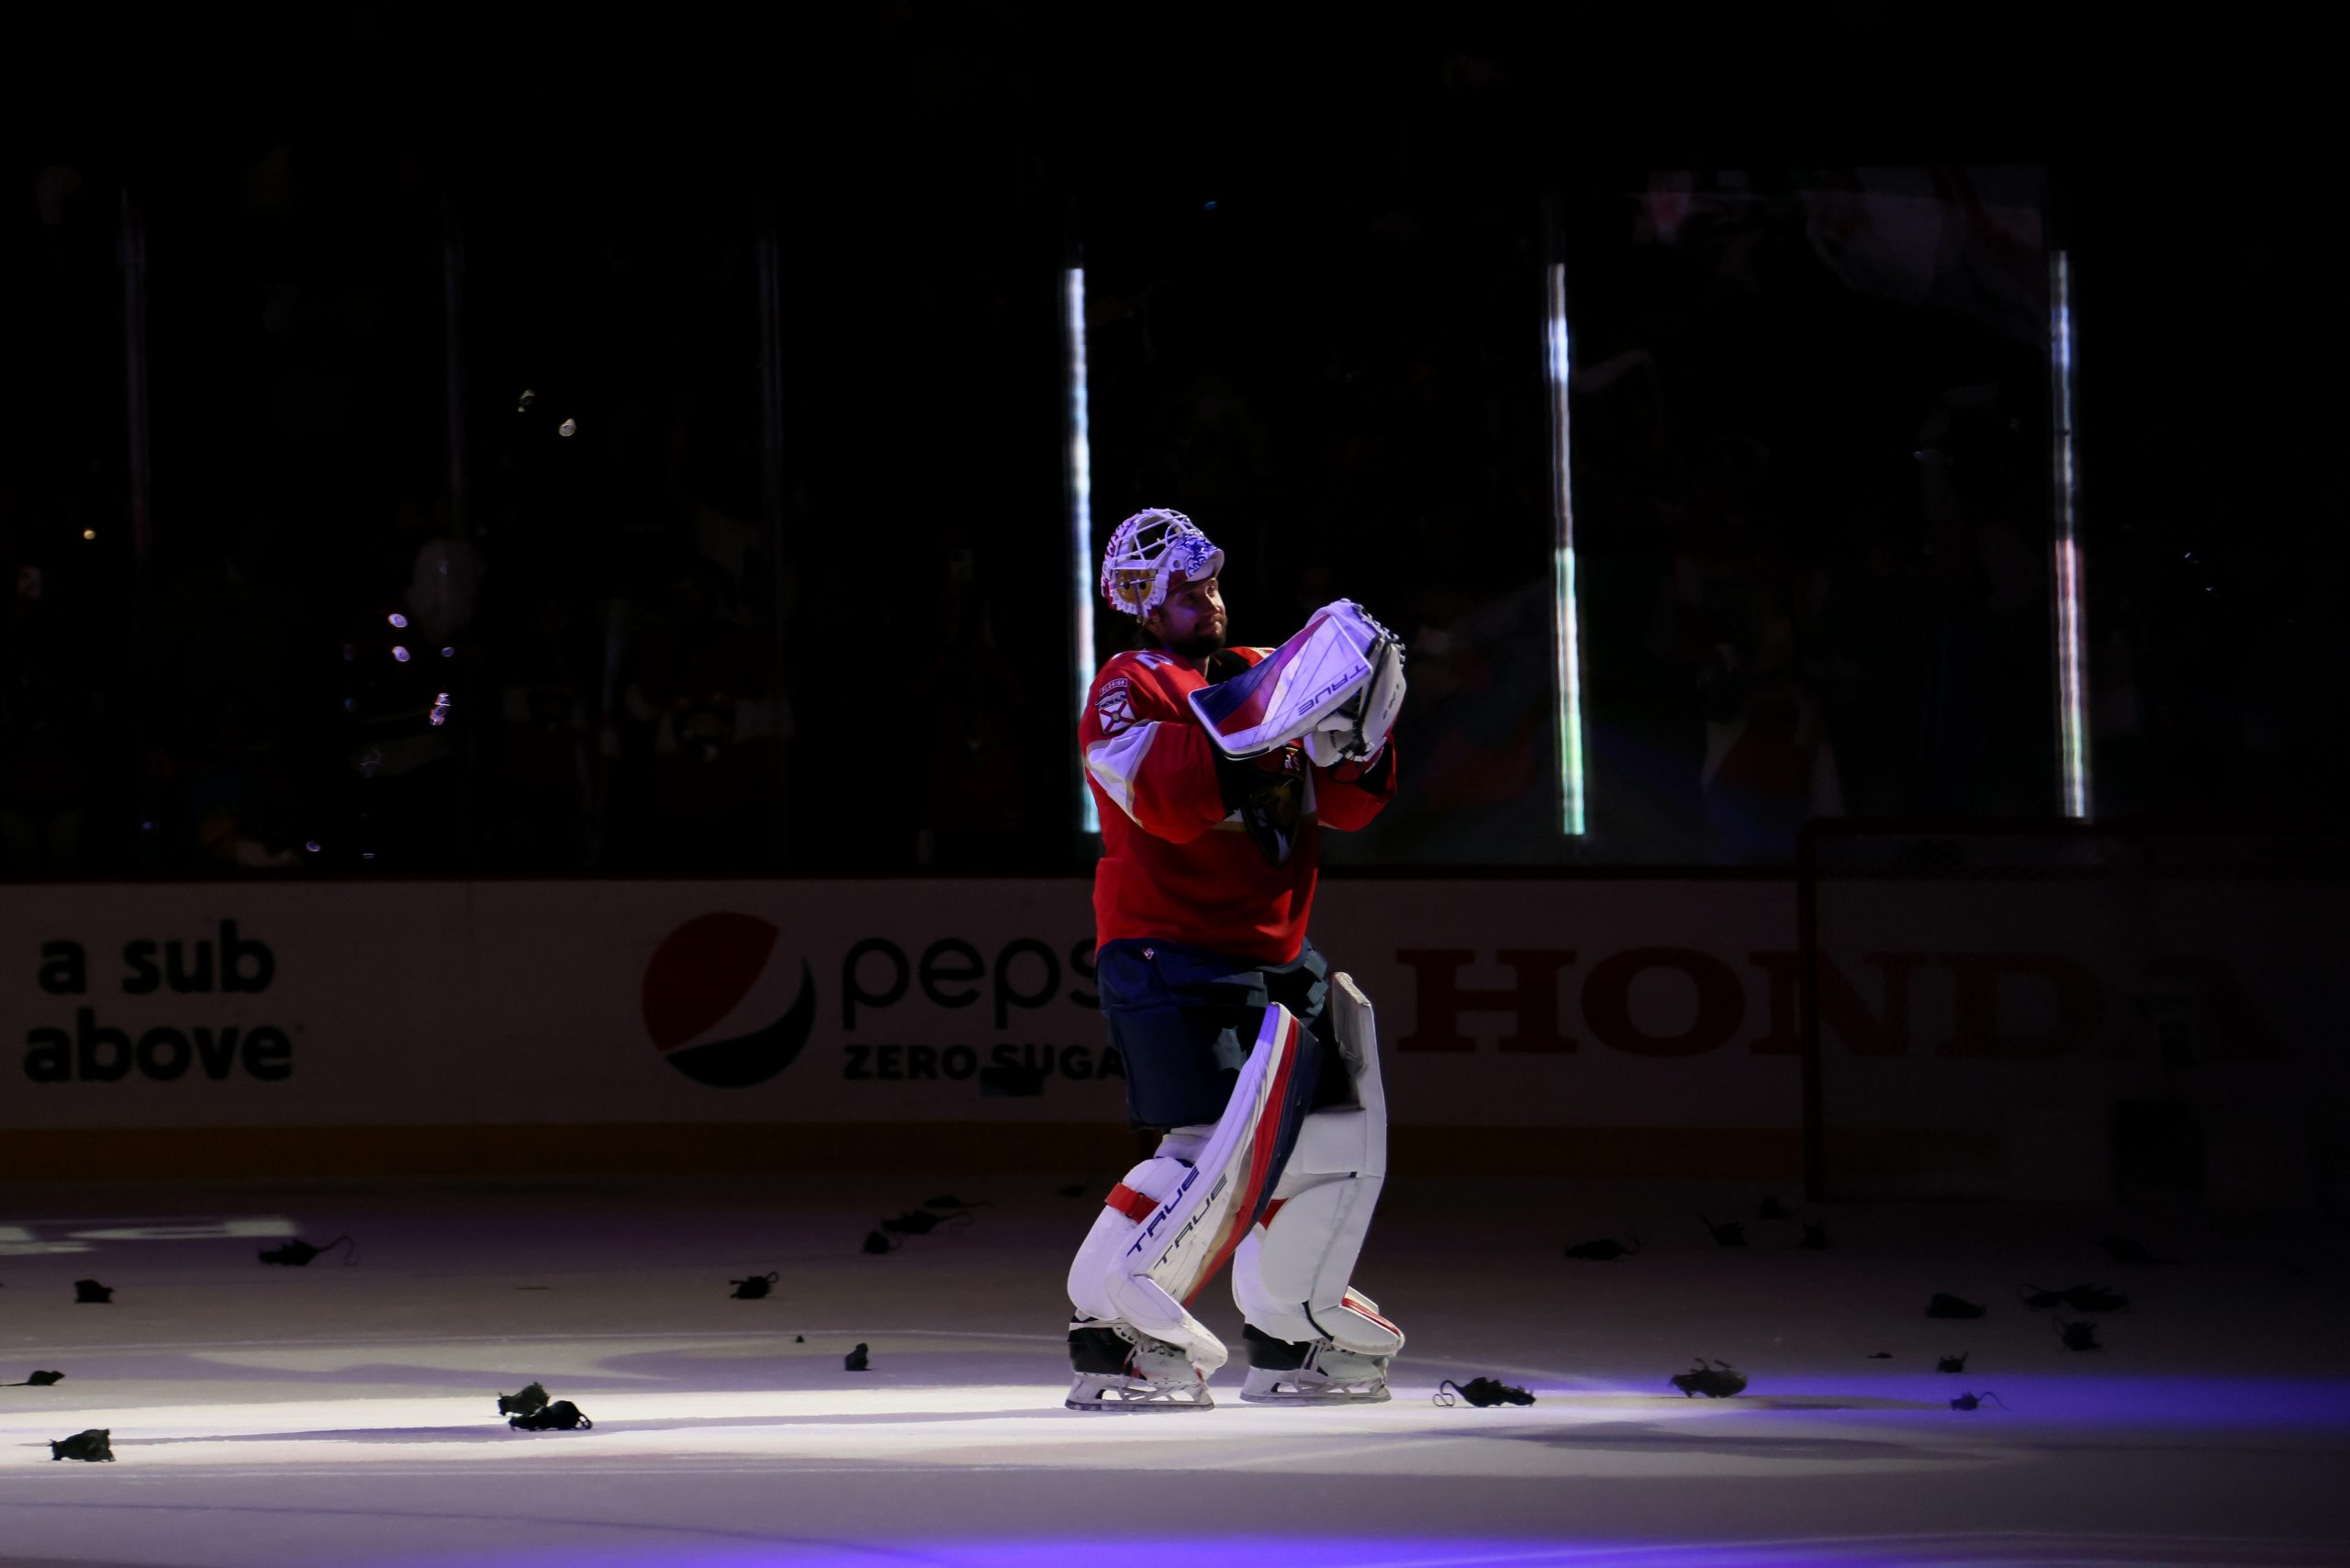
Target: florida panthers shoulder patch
pixel 1114 706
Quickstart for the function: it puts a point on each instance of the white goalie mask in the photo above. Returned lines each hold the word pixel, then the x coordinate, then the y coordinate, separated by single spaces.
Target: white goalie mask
pixel 1148 548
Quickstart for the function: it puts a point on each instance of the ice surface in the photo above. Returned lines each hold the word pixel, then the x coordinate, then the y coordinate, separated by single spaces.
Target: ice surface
pixel 266 1417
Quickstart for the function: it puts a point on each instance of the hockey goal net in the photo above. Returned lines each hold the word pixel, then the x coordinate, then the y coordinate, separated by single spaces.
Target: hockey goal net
pixel 2072 1012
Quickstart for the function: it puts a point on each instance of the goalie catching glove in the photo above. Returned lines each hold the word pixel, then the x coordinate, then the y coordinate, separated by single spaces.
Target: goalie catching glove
pixel 1336 686
pixel 1359 728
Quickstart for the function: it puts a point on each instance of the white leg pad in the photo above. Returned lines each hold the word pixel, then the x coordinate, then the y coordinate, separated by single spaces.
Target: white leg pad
pixel 1290 1276
pixel 1175 1220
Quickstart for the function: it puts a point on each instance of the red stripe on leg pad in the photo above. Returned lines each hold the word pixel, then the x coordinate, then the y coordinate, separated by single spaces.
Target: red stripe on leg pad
pixel 1259 1156
pixel 1136 1206
pixel 1359 1304
pixel 1271 1209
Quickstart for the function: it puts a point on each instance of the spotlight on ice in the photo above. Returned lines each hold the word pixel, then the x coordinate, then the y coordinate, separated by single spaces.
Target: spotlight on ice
pixel 400 653
pixel 568 427
pixel 397 619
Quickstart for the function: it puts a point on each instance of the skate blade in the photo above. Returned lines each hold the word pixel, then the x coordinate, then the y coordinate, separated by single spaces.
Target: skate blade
pixel 1319 1397
pixel 1137 1406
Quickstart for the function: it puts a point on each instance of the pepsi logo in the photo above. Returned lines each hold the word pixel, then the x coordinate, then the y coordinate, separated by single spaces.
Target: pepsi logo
pixel 726 1002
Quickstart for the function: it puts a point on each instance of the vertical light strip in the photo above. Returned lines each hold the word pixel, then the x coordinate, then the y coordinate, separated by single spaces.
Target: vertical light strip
pixel 1080 522
pixel 2071 651
pixel 1566 632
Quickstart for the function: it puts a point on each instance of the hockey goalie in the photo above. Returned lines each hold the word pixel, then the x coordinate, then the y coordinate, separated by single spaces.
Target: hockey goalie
pixel 1213 768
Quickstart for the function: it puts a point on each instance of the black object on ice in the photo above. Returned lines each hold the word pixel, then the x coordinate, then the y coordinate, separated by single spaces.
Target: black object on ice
pixel 753 1288
pixel 857 1360
pixel 297 1254
pixel 529 1402
pixel 1957 1363
pixel 2078 1335
pixel 94 1445
pixel 87 1292
pixel 2037 1299
pixel 1769 1208
pixel 1945 1305
pixel 876 1243
pixel 1481 1392
pixel 2124 1250
pixel 39 1379
pixel 562 1416
pixel 1880 1355
pixel 1606 1248
pixel 1814 1239
pixel 800 1339
pixel 1716 1381
pixel 1729 1233
pixel 1974 1401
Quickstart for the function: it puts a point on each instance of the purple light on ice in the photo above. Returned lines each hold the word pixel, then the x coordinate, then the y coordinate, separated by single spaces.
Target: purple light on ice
pixel 400 653
pixel 1985 1546
pixel 398 620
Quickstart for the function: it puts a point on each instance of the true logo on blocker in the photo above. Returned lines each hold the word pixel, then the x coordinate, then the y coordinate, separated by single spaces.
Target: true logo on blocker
pixel 723 1006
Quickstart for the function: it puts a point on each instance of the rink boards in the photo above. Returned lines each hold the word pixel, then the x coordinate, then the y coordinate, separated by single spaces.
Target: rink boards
pixel 1622 1025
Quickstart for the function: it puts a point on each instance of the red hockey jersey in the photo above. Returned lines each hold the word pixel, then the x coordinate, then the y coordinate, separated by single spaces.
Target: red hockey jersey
pixel 1175 864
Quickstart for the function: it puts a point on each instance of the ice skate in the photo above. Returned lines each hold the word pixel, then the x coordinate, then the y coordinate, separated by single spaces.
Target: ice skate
pixel 1315 1371
pixel 1119 1368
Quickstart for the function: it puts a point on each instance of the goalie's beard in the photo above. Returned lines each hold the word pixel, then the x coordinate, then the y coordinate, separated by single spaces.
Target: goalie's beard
pixel 1198 646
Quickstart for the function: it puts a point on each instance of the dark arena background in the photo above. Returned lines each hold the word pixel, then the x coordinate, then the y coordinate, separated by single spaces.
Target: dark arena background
pixel 551 561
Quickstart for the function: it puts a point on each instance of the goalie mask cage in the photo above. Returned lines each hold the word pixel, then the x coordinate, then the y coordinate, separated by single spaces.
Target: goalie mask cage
pixel 2072 1012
